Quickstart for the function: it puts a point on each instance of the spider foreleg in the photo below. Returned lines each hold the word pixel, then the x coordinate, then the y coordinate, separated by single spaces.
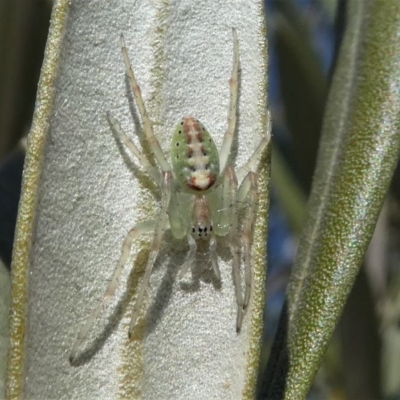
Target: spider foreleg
pixel 134 233
pixel 213 257
pixel 147 126
pixel 161 224
pixel 248 194
pixel 229 225
pixel 190 255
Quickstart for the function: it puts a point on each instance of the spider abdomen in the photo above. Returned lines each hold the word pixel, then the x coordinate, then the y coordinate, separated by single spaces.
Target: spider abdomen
pixel 194 155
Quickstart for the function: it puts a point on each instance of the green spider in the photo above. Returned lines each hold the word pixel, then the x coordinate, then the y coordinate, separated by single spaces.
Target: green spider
pixel 200 197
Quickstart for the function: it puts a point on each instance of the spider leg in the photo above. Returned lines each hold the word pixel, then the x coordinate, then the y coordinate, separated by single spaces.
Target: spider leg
pixel 190 255
pixel 248 194
pixel 226 208
pixel 161 224
pixel 243 170
pixel 228 224
pixel 140 229
pixel 213 256
pixel 233 89
pixel 152 171
pixel 147 126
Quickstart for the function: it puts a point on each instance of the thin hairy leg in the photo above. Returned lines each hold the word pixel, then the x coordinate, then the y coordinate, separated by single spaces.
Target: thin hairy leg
pixel 248 195
pixel 228 218
pixel 225 204
pixel 147 126
pixel 161 223
pixel 190 255
pixel 134 233
pixel 233 89
pixel 246 168
pixel 213 256
pixel 150 169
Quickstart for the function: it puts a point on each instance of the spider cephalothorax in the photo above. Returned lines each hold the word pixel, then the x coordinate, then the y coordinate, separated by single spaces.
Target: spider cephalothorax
pixel 200 197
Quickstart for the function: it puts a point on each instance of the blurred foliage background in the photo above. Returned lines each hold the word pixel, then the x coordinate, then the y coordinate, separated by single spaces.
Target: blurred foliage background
pixel 23 31
pixel 363 359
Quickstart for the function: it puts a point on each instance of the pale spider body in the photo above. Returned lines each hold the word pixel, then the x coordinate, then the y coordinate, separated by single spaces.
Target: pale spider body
pixel 200 197
pixel 195 163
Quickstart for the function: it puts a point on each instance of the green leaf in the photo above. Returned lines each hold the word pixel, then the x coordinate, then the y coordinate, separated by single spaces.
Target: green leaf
pixel 359 151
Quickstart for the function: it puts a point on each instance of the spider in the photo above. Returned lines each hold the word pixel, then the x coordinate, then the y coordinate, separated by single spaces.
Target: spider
pixel 200 197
